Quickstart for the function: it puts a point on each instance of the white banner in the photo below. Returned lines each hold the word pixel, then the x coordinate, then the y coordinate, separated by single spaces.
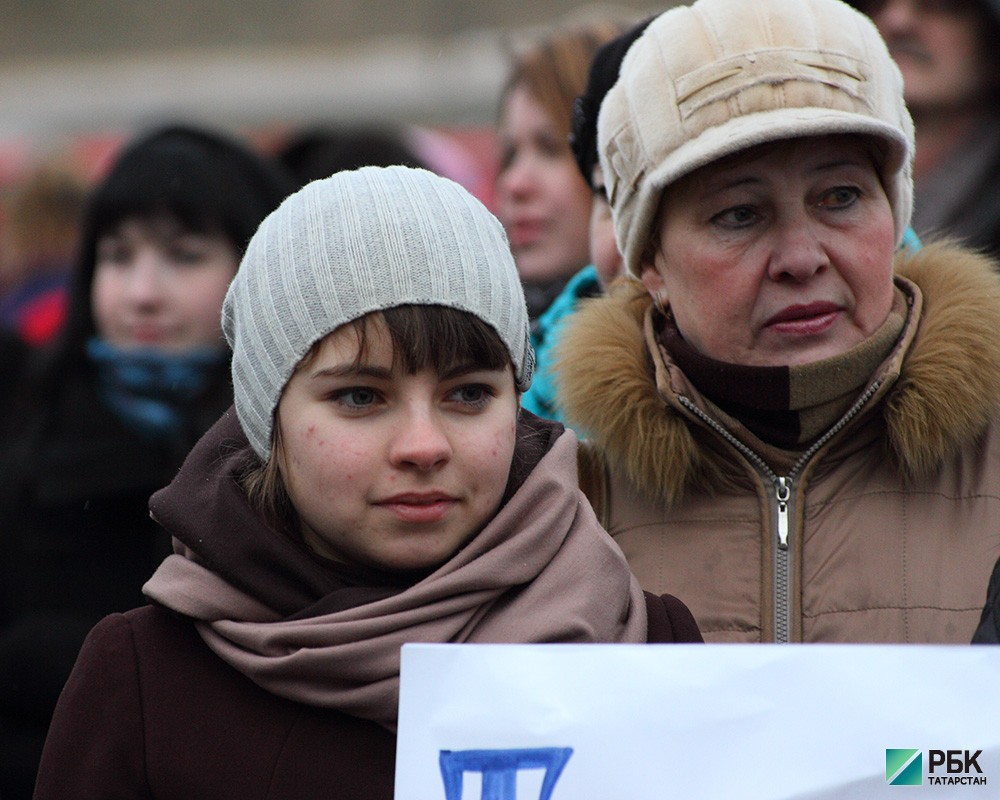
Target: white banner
pixel 631 722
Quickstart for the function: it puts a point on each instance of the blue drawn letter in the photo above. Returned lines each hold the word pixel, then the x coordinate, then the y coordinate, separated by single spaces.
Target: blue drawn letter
pixel 499 769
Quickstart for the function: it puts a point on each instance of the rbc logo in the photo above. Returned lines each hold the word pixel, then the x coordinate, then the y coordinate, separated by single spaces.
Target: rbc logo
pixel 961 767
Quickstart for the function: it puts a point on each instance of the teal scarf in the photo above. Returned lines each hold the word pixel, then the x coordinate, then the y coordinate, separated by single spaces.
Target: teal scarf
pixel 150 391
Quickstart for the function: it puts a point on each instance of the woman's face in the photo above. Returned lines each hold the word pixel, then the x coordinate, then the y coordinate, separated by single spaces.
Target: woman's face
pixel 158 285
pixel 542 201
pixel 778 257
pixel 604 253
pixel 388 469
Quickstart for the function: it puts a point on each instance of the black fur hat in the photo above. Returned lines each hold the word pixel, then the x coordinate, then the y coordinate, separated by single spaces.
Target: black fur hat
pixel 601 77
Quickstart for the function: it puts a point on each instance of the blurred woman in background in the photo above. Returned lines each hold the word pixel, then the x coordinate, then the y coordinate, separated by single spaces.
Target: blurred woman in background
pixel 139 372
pixel 605 260
pixel 542 200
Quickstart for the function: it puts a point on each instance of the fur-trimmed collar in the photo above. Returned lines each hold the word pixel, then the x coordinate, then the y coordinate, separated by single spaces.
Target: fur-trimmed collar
pixel 947 392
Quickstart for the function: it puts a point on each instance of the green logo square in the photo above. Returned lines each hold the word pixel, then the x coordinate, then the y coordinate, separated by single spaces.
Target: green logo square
pixel 904 767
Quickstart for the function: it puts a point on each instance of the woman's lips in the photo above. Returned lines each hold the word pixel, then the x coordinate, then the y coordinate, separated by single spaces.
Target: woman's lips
pixel 807 319
pixel 147 335
pixel 525 233
pixel 419 508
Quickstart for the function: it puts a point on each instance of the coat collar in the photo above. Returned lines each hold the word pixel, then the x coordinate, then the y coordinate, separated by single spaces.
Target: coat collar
pixel 942 384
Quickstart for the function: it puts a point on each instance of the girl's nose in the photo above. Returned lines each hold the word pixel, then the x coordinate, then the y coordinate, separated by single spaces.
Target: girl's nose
pixel 421 442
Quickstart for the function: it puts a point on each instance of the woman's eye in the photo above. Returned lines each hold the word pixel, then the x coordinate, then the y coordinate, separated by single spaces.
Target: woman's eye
pixel 474 394
pixel 840 197
pixel 507 155
pixel 186 253
pixel 736 217
pixel 356 397
pixel 553 147
pixel 112 252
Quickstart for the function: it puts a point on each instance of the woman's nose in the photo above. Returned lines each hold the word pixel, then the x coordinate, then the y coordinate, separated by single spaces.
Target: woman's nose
pixel 797 253
pixel 518 178
pixel 144 283
pixel 421 441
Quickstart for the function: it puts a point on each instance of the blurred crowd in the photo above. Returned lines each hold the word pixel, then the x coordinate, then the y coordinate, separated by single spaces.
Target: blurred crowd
pixel 113 364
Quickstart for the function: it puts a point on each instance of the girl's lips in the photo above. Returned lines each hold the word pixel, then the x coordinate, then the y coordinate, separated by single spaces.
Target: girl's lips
pixel 419 509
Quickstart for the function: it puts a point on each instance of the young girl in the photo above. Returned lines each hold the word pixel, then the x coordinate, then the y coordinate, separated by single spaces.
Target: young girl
pixel 376 485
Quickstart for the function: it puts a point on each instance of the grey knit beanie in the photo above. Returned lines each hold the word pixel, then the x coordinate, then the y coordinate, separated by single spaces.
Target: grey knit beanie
pixel 354 243
pixel 720 76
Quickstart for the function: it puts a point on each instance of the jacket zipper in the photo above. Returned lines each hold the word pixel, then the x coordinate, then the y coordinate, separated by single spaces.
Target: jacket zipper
pixel 783 501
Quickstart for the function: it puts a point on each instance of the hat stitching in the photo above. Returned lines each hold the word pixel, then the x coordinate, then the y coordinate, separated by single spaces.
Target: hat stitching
pixel 770 69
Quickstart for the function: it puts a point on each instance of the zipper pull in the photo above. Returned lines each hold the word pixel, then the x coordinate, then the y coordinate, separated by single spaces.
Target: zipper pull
pixel 783 491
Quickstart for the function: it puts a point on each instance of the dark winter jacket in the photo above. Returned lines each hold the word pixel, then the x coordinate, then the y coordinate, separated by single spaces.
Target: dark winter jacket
pixel 77 544
pixel 156 714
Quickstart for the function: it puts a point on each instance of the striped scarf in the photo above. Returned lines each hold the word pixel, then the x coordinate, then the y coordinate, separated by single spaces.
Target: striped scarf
pixel 150 390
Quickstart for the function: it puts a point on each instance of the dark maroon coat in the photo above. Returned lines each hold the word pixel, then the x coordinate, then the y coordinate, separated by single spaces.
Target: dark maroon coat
pixel 151 712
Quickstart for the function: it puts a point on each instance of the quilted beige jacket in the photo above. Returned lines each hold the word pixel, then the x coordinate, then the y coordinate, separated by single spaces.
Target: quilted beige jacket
pixel 885 531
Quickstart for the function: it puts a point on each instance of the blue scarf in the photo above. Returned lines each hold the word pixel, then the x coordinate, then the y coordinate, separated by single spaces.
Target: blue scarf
pixel 150 390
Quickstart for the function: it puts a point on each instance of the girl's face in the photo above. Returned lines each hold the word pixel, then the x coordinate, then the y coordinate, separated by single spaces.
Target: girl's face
pixel 158 285
pixel 388 469
pixel 542 201
pixel 782 256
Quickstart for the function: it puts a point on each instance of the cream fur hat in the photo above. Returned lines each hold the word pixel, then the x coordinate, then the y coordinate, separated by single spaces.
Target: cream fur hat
pixel 719 76
pixel 357 242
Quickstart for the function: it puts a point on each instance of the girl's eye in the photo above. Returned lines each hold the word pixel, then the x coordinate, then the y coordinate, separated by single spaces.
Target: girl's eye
pixel 840 197
pixel 474 395
pixel 112 251
pixel 736 217
pixel 356 398
pixel 187 252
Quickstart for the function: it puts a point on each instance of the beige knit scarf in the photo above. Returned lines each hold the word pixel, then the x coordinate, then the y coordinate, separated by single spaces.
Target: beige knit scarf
pixel 542 570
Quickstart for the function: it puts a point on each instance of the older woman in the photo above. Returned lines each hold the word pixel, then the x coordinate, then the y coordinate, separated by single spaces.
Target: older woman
pixel 792 423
